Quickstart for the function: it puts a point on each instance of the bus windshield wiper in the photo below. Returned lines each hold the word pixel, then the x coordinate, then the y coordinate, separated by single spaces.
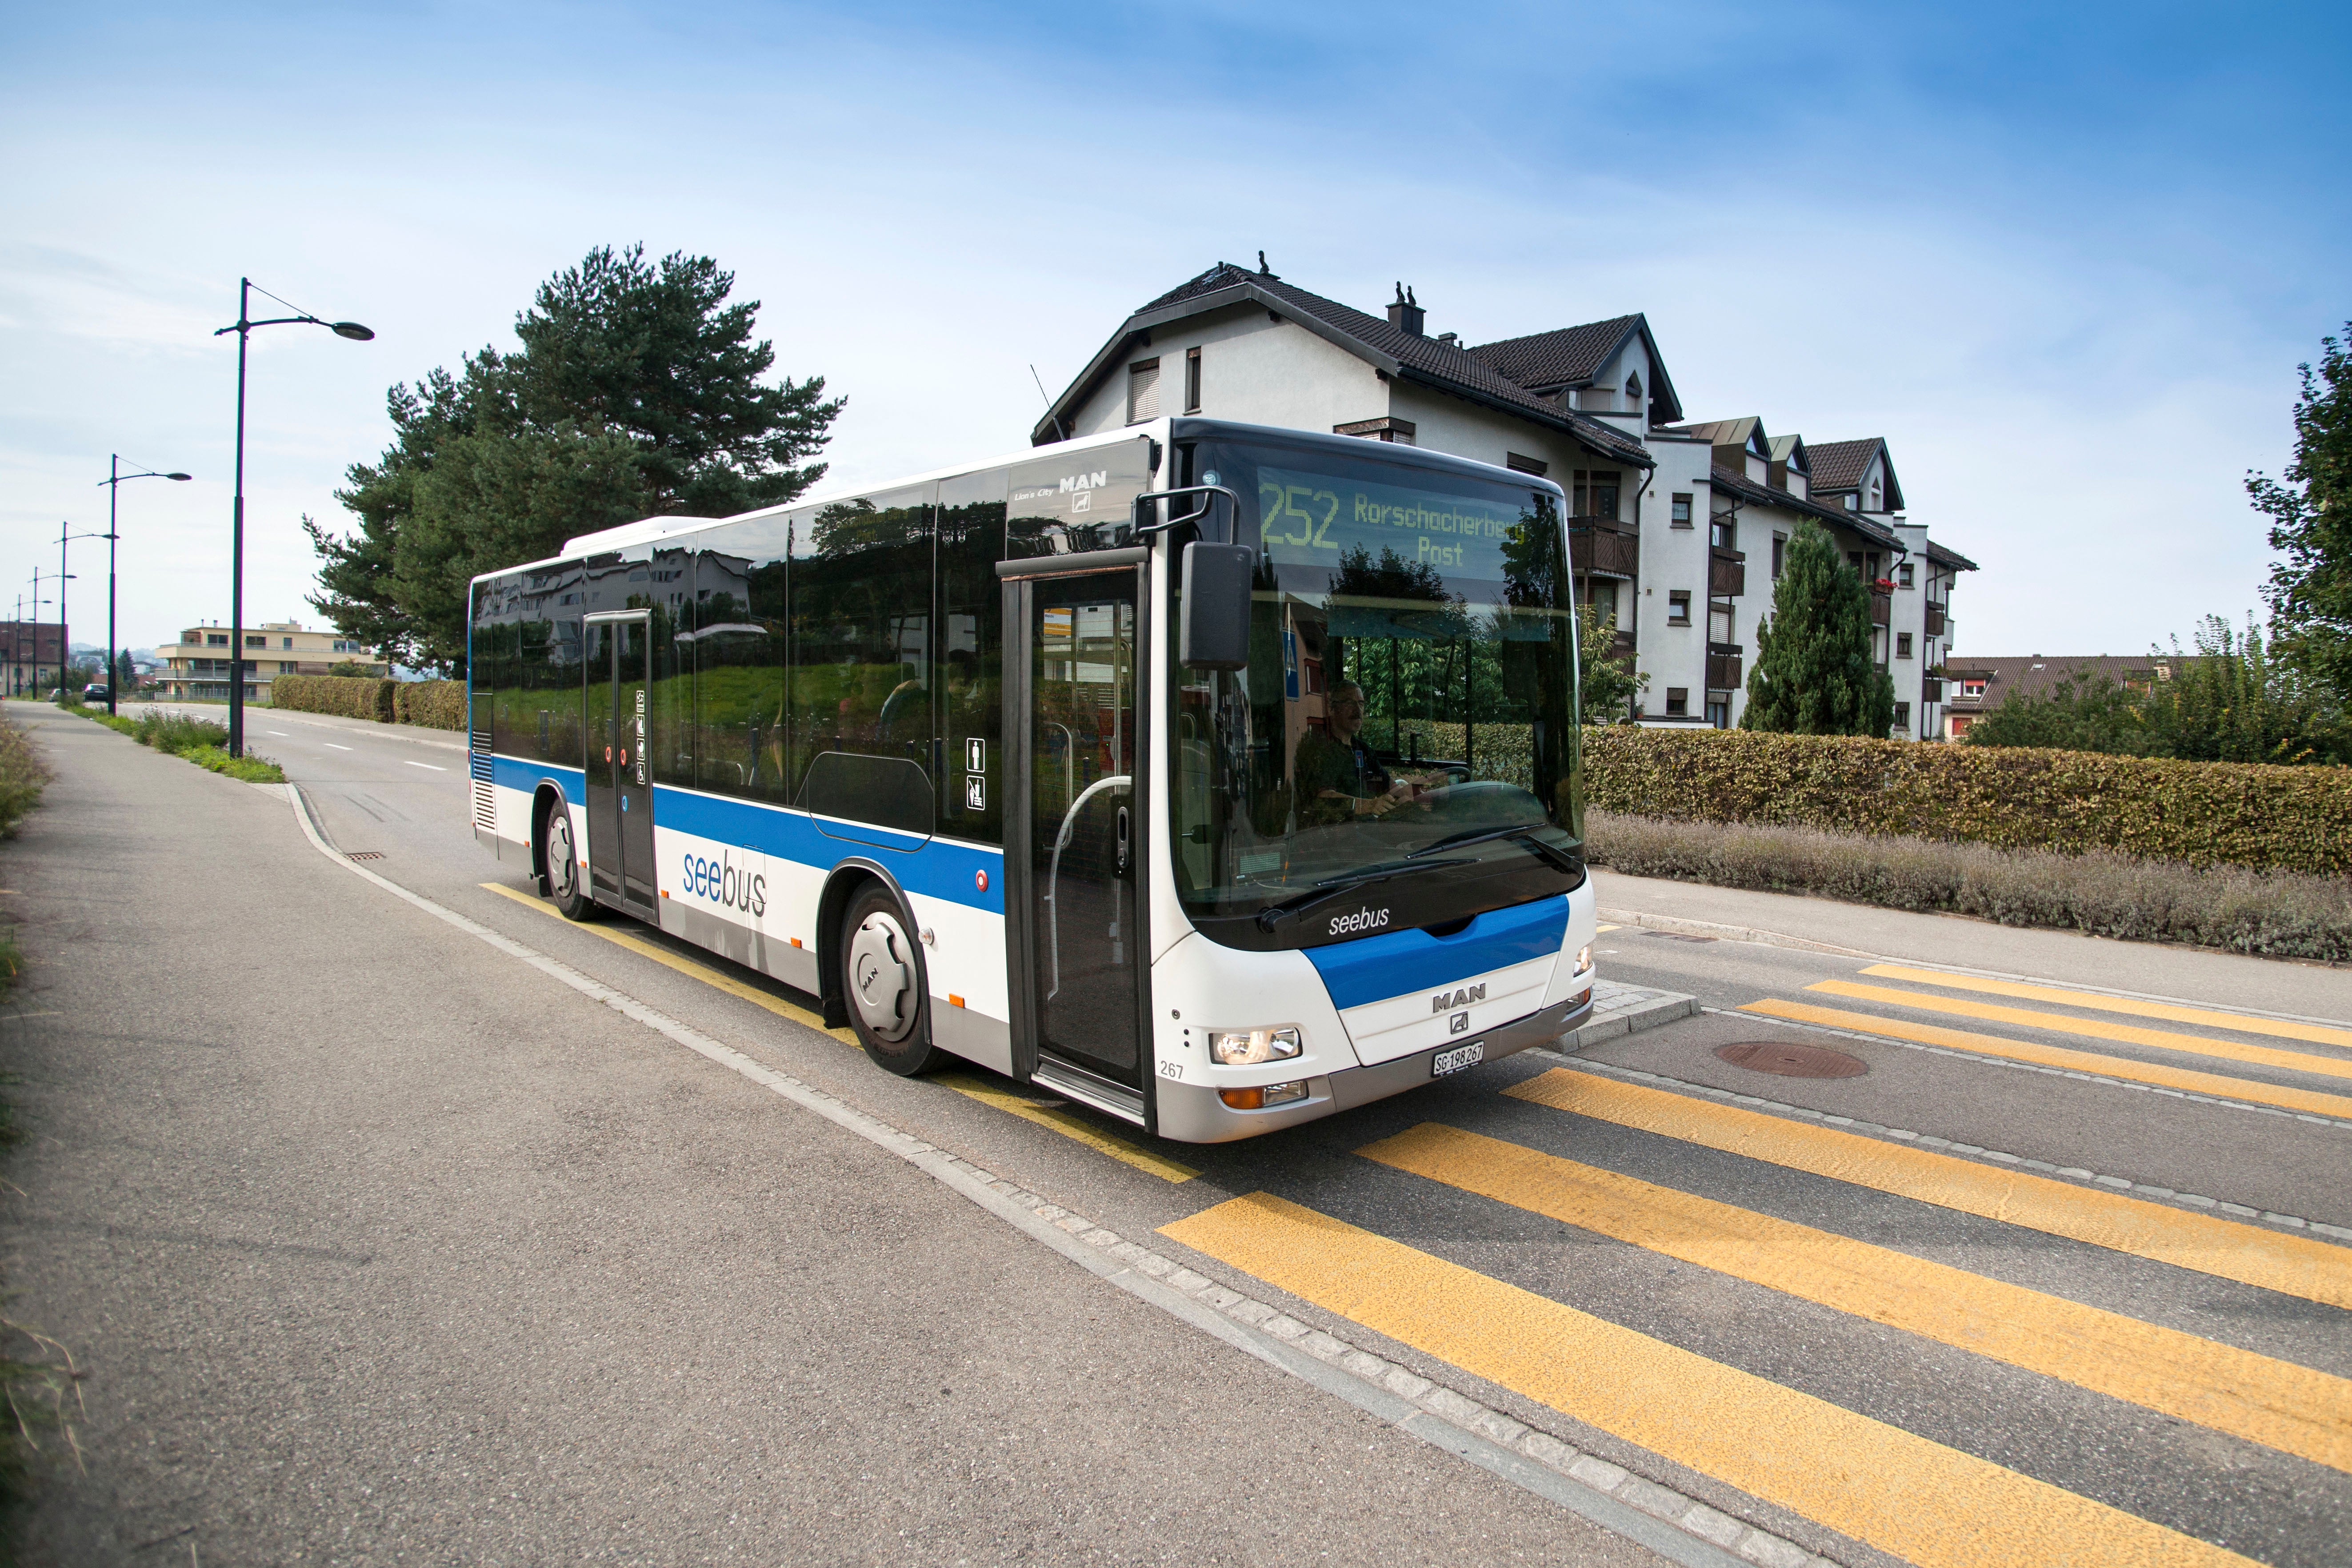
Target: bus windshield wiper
pixel 1298 903
pixel 1523 834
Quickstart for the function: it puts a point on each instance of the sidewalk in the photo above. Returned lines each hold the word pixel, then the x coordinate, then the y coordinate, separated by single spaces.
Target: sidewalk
pixel 2270 985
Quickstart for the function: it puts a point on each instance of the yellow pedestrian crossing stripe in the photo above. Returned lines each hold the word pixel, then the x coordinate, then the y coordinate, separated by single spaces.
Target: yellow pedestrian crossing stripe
pixel 1932 1505
pixel 2094 1029
pixel 2275 1403
pixel 1072 1128
pixel 2283 1029
pixel 2120 1067
pixel 2209 1244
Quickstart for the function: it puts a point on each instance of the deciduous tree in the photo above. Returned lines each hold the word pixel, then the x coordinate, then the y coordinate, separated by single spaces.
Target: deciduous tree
pixel 2310 590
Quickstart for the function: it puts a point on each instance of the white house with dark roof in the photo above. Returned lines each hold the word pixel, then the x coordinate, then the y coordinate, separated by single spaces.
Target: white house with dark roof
pixel 1665 517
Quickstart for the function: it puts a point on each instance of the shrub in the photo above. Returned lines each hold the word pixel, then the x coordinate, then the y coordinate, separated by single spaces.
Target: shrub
pixel 2069 802
pixel 437 705
pixel 334 693
pixel 2273 914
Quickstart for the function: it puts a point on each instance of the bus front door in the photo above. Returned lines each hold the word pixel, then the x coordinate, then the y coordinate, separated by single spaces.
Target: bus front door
pixel 1073 861
pixel 620 774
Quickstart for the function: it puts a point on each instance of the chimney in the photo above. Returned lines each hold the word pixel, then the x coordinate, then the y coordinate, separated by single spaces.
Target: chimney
pixel 1405 313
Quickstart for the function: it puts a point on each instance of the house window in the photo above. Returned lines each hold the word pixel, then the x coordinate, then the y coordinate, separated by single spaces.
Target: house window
pixel 1719 714
pixel 1779 550
pixel 253 641
pixel 285 666
pixel 1903 574
pixel 1903 715
pixel 1682 511
pixel 1876 495
pixel 1594 494
pixel 1192 381
pixel 1961 723
pixel 1678 608
pixel 1632 394
pixel 1902 644
pixel 1519 465
pixel 1723 533
pixel 1142 391
pixel 1972 689
pixel 1677 702
pixel 216 639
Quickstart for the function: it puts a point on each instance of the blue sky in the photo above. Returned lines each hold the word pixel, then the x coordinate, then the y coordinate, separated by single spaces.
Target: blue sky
pixel 2064 259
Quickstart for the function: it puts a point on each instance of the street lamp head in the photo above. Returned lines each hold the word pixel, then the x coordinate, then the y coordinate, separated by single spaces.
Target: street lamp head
pixel 177 475
pixel 353 330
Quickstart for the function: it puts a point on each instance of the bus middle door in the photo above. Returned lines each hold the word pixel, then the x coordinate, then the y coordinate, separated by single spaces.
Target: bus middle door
pixel 620 772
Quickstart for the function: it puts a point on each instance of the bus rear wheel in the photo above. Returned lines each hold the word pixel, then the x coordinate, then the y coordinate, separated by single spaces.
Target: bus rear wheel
pixel 882 981
pixel 565 887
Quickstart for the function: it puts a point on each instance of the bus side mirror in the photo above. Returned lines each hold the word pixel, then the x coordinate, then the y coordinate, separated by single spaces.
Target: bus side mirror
pixel 1215 630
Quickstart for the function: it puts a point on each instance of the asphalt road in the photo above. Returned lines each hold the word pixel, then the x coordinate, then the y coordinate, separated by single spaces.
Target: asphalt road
pixel 381 1244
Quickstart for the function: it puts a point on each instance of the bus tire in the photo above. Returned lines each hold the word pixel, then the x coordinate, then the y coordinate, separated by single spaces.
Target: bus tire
pixel 565 887
pixel 882 983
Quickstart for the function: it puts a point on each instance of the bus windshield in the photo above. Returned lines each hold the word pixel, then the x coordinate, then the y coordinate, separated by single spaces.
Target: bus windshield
pixel 1409 709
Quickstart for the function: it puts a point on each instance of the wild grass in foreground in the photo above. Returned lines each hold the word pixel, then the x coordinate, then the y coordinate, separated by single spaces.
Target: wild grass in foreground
pixel 200 740
pixel 39 1377
pixel 2279 915
pixel 21 777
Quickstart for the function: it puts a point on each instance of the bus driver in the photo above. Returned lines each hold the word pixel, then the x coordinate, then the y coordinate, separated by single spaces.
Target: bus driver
pixel 1338 777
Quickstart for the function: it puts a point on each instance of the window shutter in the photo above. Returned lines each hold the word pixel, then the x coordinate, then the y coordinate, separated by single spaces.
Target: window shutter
pixel 1142 391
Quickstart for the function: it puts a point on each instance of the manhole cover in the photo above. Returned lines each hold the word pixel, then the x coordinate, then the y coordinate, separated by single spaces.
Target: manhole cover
pixel 1788 1060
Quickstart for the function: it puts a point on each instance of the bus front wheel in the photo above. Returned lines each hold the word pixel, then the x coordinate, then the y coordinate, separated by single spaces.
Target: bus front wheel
pixel 565 887
pixel 882 980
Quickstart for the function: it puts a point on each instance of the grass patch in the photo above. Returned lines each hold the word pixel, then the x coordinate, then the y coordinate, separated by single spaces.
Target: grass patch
pixel 200 740
pixel 2271 913
pixel 21 777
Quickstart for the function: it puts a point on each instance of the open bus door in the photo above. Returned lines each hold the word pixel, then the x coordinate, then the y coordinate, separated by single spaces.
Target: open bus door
pixel 620 774
pixel 1074 825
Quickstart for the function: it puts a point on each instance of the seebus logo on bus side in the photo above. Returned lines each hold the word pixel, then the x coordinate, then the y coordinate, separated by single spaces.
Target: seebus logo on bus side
pixel 723 882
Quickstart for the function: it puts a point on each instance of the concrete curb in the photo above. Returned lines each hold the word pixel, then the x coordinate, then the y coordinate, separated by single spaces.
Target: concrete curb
pixel 1626 1010
pixel 1728 933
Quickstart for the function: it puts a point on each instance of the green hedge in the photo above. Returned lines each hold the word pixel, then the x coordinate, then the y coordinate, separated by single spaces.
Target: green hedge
pixel 2203 813
pixel 351 697
pixel 437 705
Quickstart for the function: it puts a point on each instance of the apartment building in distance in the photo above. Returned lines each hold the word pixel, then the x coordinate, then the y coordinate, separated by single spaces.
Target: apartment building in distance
pixel 1676 527
pixel 32 653
pixel 199 664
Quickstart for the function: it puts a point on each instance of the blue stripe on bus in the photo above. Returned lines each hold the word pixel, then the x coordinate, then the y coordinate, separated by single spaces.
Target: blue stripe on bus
pixel 945 869
pixel 1374 968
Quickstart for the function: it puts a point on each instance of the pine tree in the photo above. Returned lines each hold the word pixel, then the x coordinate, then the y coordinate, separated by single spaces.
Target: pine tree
pixel 1814 672
pixel 638 391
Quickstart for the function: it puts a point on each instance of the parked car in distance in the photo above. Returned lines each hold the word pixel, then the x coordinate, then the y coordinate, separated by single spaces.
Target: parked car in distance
pixel 96 692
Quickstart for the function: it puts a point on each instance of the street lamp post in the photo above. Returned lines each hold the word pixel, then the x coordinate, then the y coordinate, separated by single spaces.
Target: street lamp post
pixel 243 328
pixel 113 483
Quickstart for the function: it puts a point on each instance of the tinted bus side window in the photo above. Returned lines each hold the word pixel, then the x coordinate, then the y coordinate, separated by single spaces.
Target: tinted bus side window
pixel 861 661
pixel 967 669
pixel 739 660
pixel 668 592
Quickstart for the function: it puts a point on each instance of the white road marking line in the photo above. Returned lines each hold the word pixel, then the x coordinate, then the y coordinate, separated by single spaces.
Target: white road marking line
pixel 405 763
pixel 337 748
pixel 279 733
pixel 987 1191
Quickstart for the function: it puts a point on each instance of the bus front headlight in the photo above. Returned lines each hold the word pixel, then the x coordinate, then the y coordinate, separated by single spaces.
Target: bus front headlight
pixel 1247 1047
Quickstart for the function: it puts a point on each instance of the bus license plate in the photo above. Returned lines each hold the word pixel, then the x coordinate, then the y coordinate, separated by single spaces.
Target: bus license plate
pixel 1460 1057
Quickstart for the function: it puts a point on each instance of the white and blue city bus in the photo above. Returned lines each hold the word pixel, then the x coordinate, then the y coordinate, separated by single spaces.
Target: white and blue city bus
pixel 1216 777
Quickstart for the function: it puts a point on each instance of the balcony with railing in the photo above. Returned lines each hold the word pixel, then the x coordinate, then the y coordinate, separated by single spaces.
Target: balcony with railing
pixel 1934 619
pixel 1882 610
pixel 1723 662
pixel 1605 545
pixel 1727 574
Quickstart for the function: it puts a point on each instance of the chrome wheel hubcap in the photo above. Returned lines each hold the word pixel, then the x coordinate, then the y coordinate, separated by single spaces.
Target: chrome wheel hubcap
pixel 561 867
pixel 882 977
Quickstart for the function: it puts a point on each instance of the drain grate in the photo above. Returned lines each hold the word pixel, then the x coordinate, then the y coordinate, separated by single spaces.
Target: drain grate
pixel 1787 1058
pixel 364 855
